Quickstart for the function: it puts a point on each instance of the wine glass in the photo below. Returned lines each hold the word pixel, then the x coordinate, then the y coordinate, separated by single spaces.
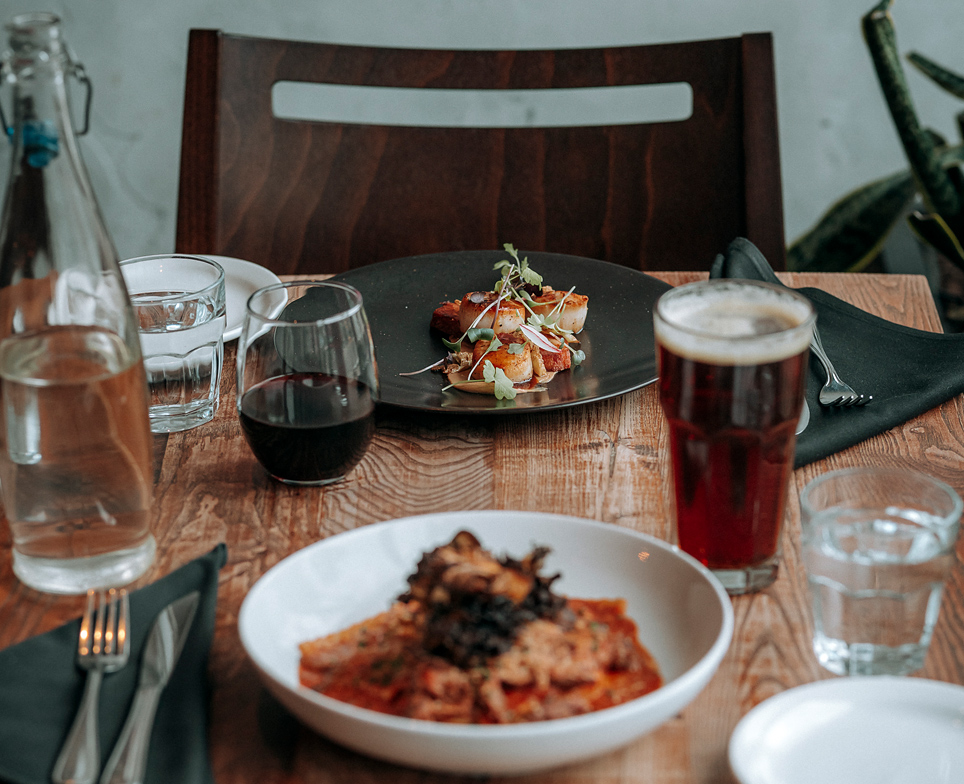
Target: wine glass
pixel 307 380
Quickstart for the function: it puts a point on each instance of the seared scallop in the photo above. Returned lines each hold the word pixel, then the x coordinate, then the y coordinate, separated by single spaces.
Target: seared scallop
pixel 516 366
pixel 574 309
pixel 482 303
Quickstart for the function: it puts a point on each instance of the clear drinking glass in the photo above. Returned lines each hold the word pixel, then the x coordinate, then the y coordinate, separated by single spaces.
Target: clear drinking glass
pixel 307 380
pixel 179 304
pixel 877 546
pixel 732 357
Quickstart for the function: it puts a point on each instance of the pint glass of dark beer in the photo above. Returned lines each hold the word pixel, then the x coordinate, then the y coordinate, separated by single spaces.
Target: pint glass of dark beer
pixel 732 358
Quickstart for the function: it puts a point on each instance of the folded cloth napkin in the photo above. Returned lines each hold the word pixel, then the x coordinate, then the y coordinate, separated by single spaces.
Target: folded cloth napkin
pixel 908 371
pixel 41 687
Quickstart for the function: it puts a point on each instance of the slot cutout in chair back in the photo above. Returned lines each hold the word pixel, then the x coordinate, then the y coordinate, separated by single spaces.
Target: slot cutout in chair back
pixel 442 108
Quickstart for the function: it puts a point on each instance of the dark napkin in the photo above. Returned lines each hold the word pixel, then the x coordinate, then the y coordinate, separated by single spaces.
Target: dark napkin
pixel 908 371
pixel 41 686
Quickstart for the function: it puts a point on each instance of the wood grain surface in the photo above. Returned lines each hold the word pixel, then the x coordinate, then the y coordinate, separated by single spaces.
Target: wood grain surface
pixel 606 461
pixel 311 197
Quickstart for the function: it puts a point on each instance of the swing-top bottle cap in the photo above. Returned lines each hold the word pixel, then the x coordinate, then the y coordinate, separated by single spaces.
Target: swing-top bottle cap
pixel 36 31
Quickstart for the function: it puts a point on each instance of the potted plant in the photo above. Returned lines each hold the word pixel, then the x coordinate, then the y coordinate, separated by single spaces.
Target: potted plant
pixel 930 193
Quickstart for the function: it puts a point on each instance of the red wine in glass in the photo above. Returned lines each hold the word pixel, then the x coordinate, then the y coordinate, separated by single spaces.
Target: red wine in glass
pixel 308 427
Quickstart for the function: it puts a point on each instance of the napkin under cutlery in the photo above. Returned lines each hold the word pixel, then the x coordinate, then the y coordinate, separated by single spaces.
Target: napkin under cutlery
pixel 40 687
pixel 908 371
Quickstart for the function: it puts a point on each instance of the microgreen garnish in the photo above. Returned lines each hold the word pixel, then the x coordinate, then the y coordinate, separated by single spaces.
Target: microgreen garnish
pixel 479 333
pixel 503 386
pixel 416 372
pixel 537 337
pixel 521 283
pixel 517 276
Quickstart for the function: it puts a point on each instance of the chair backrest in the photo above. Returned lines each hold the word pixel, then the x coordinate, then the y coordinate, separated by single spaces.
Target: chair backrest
pixel 301 196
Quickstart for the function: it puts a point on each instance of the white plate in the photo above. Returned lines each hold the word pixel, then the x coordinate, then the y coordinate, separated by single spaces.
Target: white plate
pixel 873 730
pixel 684 616
pixel 241 280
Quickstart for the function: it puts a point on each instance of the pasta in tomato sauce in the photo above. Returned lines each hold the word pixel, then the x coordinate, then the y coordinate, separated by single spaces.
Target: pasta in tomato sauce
pixel 483 640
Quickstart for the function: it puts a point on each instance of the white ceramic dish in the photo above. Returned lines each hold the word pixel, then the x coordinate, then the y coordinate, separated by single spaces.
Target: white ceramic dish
pixel 684 616
pixel 855 730
pixel 241 280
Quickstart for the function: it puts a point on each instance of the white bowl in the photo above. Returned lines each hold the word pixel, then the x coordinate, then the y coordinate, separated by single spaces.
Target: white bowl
pixel 684 616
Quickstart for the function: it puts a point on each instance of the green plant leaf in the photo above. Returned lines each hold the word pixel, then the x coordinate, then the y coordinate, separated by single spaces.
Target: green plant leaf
pixel 851 232
pixel 950 81
pixel 936 186
pixel 934 229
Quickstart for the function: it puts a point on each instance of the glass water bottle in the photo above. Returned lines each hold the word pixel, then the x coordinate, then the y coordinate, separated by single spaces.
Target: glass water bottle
pixel 75 445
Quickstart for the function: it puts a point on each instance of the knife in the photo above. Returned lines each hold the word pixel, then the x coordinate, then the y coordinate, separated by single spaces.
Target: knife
pixel 128 760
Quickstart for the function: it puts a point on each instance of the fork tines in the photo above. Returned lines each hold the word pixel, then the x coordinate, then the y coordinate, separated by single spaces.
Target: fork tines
pixel 103 628
pixel 848 401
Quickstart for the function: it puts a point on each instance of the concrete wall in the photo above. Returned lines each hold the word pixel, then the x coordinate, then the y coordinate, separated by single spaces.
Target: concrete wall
pixel 835 132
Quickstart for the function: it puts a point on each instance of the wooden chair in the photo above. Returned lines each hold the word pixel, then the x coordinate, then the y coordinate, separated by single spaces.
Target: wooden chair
pixel 303 197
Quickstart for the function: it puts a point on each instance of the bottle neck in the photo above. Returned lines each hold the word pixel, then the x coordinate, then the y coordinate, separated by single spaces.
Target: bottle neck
pixel 43 133
pixel 51 220
pixel 44 162
pixel 42 126
pixel 58 264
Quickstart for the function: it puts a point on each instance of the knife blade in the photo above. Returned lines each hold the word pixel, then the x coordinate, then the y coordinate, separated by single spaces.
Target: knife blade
pixel 128 760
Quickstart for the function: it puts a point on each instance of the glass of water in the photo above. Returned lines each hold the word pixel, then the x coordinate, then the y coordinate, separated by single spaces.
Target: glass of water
pixel 179 305
pixel 878 544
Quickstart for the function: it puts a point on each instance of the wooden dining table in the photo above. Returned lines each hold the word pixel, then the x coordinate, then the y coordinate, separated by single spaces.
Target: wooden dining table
pixel 605 460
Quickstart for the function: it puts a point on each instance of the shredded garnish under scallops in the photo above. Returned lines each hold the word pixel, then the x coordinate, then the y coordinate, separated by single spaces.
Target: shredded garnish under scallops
pixel 479 639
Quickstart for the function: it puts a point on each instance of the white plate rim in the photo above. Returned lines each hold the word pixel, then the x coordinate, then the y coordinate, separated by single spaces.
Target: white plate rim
pixel 711 658
pixel 246 277
pixel 748 740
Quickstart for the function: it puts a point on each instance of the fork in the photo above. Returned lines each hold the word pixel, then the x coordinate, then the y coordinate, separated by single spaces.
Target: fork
pixel 101 648
pixel 835 392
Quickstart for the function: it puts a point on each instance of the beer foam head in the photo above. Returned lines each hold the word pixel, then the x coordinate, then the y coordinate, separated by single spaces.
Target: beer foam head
pixel 733 322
